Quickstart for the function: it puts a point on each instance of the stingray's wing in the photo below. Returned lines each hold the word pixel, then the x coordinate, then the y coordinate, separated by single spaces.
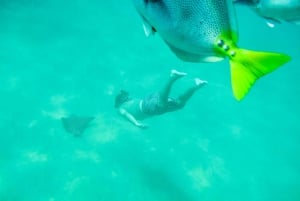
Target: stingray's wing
pixel 76 125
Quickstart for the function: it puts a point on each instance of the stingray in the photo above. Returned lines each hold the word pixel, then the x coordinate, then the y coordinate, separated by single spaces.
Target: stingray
pixel 76 125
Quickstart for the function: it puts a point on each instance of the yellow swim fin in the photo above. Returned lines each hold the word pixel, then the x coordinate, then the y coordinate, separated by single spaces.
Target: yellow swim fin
pixel 247 66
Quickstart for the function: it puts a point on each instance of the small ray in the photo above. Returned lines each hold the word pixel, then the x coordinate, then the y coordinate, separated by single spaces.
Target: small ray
pixel 76 125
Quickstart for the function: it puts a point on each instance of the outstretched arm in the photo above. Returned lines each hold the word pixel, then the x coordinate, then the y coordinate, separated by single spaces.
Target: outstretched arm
pixel 131 118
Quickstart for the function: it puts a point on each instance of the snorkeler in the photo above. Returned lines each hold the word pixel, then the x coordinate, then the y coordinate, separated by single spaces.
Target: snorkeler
pixel 157 103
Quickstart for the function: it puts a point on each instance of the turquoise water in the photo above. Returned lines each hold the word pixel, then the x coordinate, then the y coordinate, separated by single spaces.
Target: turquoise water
pixel 71 57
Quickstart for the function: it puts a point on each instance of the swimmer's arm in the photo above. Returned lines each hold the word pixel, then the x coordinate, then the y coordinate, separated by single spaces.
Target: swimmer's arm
pixel 131 118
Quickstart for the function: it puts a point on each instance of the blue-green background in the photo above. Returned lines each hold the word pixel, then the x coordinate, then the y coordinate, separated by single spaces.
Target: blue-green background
pixel 71 57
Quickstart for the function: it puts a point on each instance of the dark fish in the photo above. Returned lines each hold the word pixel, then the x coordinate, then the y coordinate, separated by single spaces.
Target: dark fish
pixel 275 11
pixel 76 125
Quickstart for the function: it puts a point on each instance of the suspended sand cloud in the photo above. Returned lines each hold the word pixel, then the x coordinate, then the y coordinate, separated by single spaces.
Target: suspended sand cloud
pixel 75 183
pixel 11 83
pixel 236 131
pixel 103 130
pixel 35 156
pixel 57 102
pixel 203 144
pixel 59 99
pixel 87 155
pixel 218 168
pixel 203 177
pixel 55 114
pixel 110 90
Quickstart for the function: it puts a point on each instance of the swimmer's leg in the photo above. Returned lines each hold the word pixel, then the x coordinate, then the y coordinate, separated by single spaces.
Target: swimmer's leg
pixel 189 93
pixel 165 91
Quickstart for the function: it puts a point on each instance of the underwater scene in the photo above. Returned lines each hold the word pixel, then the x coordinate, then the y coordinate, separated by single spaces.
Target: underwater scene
pixel 62 63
